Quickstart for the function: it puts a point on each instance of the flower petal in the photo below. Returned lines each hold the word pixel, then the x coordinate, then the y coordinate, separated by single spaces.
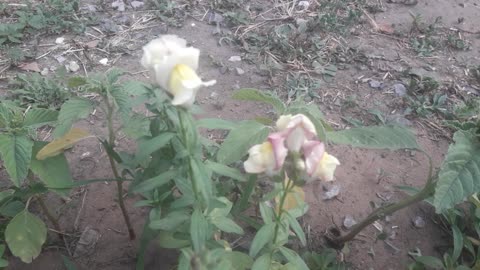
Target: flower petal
pixel 326 167
pixel 184 84
pixel 261 158
pixel 279 150
pixel 313 152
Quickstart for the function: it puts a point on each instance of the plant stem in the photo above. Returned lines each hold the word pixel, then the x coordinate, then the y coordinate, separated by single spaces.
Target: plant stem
pixel 49 215
pixel 381 212
pixel 280 209
pixel 111 142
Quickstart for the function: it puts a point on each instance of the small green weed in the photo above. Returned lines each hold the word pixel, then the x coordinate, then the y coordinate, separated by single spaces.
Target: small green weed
pixel 52 16
pixel 168 11
pixel 35 90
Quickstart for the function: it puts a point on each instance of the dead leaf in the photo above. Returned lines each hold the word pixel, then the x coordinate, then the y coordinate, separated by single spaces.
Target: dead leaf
pixel 32 66
pixel 385 28
pixel 92 44
pixel 57 146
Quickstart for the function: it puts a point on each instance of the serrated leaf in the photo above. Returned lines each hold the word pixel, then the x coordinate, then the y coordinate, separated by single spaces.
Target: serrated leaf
pixel 224 170
pixel 25 235
pixel 375 137
pixel 255 95
pixel 53 171
pixel 263 237
pixel 239 141
pixel 59 145
pixel 459 175
pixel 198 230
pixel 171 221
pixel 155 182
pixel 137 126
pixel 122 101
pixel 135 88
pixel 16 153
pixel 74 82
pixel 38 117
pixel 147 146
pixel 71 111
pixel 215 123
pixel 227 225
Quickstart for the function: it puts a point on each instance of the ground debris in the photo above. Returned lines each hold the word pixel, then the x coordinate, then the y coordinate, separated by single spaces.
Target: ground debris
pixel 86 243
pixel 349 222
pixel 418 222
pixel 331 193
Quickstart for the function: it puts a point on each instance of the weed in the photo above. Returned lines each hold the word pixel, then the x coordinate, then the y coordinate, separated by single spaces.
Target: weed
pixel 422 85
pixel 52 16
pixel 232 10
pixel 35 90
pixel 302 85
pixel 169 12
pixel 457 43
pixel 425 105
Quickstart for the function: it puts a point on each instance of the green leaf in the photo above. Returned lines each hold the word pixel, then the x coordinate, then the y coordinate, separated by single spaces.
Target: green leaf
pixel 239 260
pixel 297 229
pixel 74 82
pixel 69 265
pixel 12 208
pixel 38 117
pixel 239 141
pixel 3 263
pixel 224 170
pixel 243 203
pixel 71 111
pixel 147 146
pixel 198 230
pixel 53 171
pixel 137 126
pixel 167 240
pixel 201 179
pixel 25 235
pixel 266 213
pixel 459 175
pixel 375 137
pixel 155 182
pixel 227 225
pixel 263 236
pixel 293 258
pixel 263 262
pixel 215 123
pixel 122 101
pixel 171 222
pixel 147 236
pixel 255 95
pixel 457 242
pixel 430 261
pixel 135 88
pixel 16 152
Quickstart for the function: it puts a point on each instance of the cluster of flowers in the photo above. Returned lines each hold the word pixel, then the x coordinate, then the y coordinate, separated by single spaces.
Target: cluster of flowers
pixel 174 66
pixel 296 134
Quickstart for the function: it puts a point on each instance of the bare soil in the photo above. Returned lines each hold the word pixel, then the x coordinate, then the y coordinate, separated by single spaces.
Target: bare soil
pixel 364 176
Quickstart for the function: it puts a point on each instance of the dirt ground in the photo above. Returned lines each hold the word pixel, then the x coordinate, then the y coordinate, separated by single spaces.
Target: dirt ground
pixel 363 177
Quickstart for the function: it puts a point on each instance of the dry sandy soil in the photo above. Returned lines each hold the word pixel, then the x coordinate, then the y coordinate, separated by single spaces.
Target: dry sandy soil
pixel 364 176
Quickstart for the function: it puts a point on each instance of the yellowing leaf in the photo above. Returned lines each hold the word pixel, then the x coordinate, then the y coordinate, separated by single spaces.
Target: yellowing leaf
pixel 57 146
pixel 294 197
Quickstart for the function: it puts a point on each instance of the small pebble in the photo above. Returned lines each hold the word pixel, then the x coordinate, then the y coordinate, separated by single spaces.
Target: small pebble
pixel 104 61
pixel 59 40
pixel 73 66
pixel 349 222
pixel 332 193
pixel 240 71
pixel 44 72
pixel 419 222
pixel 375 84
pixel 137 4
pixel 235 58
pixel 400 89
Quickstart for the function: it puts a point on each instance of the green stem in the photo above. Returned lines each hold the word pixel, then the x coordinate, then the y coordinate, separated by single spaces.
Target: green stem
pixel 381 212
pixel 278 219
pixel 111 142
pixel 186 145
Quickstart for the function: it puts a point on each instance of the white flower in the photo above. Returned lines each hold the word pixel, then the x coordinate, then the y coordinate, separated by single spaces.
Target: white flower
pixel 318 163
pixel 267 157
pixel 174 66
pixel 298 129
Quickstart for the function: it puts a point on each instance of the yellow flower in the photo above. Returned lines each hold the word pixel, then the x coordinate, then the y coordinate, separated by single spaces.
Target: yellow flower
pixel 293 199
pixel 267 157
pixel 174 66
pixel 326 168
pixel 318 163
